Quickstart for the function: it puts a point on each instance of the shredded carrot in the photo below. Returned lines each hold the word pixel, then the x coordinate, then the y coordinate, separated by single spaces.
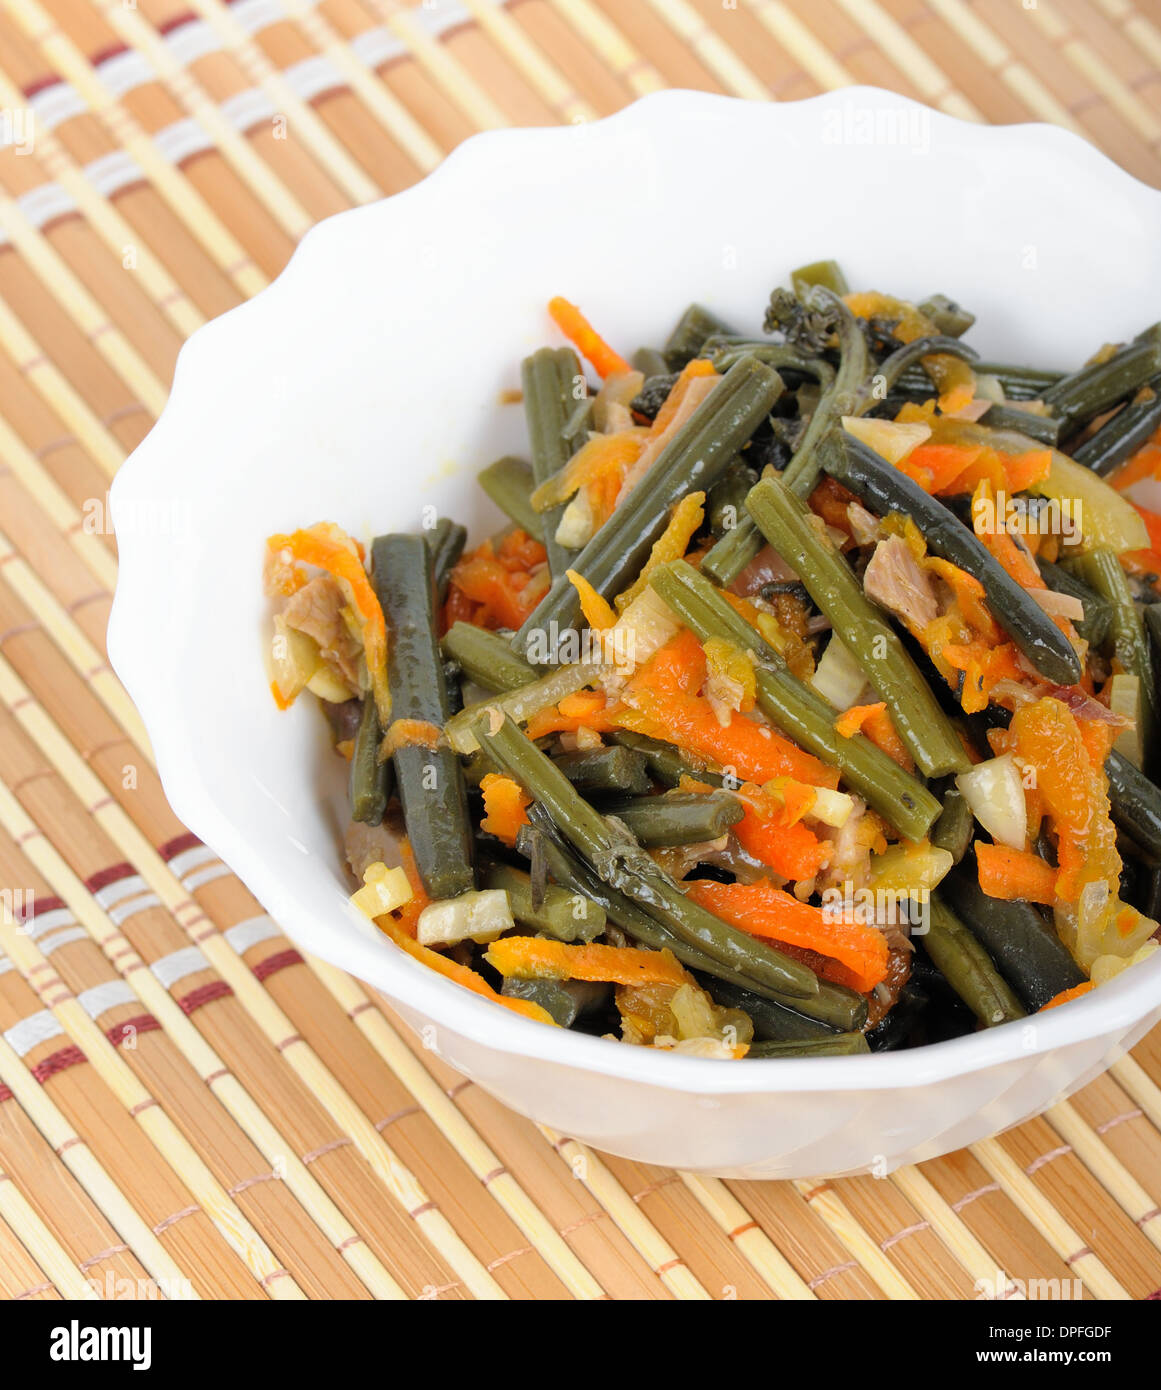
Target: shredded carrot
pixel 540 958
pixel 585 710
pixel 1066 996
pixel 876 723
pixel 599 467
pixel 460 974
pixel 487 590
pixel 771 833
pixel 677 392
pixel 407 916
pixel 670 545
pixel 764 910
pixel 1145 463
pixel 505 803
pixel 598 612
pixel 329 548
pixel 1016 875
pixel 588 342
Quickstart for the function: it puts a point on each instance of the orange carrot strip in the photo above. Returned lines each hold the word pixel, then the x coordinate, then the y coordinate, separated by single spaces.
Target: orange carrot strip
pixel 1066 996
pixel 787 846
pixel 537 958
pixel 460 974
pixel 588 342
pixel 763 910
pixel 852 721
pixel 504 807
pixel 1016 875
pixel 598 612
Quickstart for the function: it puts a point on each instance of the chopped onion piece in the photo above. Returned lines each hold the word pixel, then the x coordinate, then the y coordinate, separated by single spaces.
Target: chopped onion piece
pixel 477 916
pixel 1125 699
pixel 890 439
pixel 832 808
pixel 577 523
pixel 838 677
pixel 383 890
pixel 1059 605
pixel 995 792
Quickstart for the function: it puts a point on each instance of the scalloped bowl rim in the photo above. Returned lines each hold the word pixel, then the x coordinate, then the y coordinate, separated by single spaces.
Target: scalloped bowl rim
pixel 1113 1008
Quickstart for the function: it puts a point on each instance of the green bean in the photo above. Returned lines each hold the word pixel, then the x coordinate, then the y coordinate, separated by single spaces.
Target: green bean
pixel 773 1022
pixel 430 784
pixel 828 274
pixel 1102 571
pixel 1119 438
pixel 723 350
pixel 446 541
pixel 1094 626
pixel 677 818
pixel 921 723
pixel 954 829
pixel 886 489
pixel 726 501
pixel 649 362
pixel 844 397
pixel 666 765
pixel 624 865
pixel 838 1045
pixel 560 914
pixel 1152 615
pixel 609 769
pixel 576 427
pixel 486 658
pixel 509 483
pixel 548 378
pixel 695 457
pixel 370 779
pixel 1020 383
pixel 1136 805
pixel 521 703
pixel 733 551
pixel 892 368
pixel 691 331
pixel 1024 947
pixel 948 316
pixel 1045 429
pixel 1100 385
pixel 565 1000
pixel 968 968
pixel 797 710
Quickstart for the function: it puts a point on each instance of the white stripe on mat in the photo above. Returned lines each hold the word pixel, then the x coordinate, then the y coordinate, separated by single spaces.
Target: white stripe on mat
pixel 30 1032
pixel 178 964
pixel 243 935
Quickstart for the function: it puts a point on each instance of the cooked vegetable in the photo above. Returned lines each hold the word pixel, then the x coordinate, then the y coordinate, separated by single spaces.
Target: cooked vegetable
pixel 606 770
pixel 486 658
pixel 474 916
pixel 968 968
pixel 761 590
pixel 624 865
pixel 370 779
pixel 995 792
pixel 796 709
pixel 697 455
pixel 1024 947
pixel 689 336
pixel 509 482
pixel 428 778
pixel 916 714
pixel 885 490
pixel 677 818
pixel 567 916
pixel 550 379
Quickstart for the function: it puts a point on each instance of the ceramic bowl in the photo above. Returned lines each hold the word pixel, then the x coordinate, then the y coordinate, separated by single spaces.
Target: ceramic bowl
pixel 364 386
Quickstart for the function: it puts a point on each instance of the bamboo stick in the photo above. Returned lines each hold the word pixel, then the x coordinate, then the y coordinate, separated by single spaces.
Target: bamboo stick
pixel 41 1244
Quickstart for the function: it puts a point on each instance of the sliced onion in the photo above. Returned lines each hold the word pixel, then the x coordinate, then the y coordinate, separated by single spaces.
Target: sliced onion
pixel 1125 700
pixel 890 439
pixel 995 792
pixel 1059 605
pixel 838 677
pixel 383 890
pixel 831 808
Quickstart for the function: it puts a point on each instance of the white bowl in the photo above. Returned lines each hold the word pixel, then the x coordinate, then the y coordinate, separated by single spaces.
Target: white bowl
pixel 363 386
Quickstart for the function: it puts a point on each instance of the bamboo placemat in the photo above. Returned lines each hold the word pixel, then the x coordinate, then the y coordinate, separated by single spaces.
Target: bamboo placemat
pixel 186 1104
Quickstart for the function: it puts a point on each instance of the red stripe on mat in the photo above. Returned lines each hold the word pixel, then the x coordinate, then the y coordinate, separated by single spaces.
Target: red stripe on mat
pixel 178 845
pixel 139 1023
pixel 56 1062
pixel 204 994
pixel 272 964
pixel 103 877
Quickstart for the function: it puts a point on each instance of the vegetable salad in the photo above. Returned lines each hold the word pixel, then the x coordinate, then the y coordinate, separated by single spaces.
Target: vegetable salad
pixel 805 706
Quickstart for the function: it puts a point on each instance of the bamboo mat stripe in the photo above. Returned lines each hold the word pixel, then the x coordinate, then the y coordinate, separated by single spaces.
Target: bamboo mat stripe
pixel 188 1106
